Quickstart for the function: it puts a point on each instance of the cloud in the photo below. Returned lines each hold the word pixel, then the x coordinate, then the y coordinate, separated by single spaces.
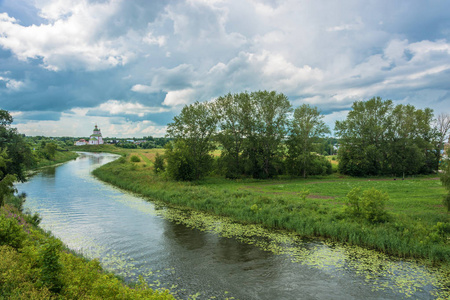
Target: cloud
pixel 142 88
pixel 115 107
pixel 12 85
pixel 178 98
pixel 126 62
pixel 71 39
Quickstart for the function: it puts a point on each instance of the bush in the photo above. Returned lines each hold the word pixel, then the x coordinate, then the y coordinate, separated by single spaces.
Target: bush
pixel 50 265
pixel 158 165
pixel 11 232
pixel 135 158
pixel 368 205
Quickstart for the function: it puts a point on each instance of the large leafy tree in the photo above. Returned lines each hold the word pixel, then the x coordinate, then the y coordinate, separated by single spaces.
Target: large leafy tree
pixel 378 138
pixel 192 131
pixel 14 155
pixel 235 118
pixel 307 127
pixel 362 150
pixel 263 144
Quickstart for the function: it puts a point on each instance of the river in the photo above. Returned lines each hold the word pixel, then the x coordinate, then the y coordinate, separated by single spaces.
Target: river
pixel 203 257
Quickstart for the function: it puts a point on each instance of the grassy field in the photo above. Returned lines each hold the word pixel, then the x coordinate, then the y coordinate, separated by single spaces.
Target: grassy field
pixel 417 224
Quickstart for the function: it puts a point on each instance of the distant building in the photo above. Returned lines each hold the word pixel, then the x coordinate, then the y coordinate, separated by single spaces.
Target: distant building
pixel 96 138
pixel 81 142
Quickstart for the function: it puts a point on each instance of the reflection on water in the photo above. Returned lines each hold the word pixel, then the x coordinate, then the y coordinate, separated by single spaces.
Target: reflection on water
pixel 49 172
pixel 189 252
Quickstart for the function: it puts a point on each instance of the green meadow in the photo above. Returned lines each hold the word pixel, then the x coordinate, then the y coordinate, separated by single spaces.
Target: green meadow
pixel 416 223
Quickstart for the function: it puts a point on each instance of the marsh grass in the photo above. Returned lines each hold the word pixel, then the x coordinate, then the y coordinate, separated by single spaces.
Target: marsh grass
pixel 414 209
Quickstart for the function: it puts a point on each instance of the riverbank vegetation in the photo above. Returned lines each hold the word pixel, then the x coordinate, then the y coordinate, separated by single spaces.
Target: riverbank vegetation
pixel 411 223
pixel 35 265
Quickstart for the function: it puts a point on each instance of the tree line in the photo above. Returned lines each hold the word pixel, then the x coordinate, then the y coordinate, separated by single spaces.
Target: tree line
pixel 259 134
pixel 378 138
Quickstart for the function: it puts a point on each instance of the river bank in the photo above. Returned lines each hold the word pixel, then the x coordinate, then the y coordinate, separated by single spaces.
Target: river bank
pixel 36 265
pixel 416 227
pixel 59 158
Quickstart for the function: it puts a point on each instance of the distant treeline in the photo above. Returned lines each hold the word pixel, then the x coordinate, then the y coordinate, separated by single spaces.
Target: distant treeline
pixel 261 135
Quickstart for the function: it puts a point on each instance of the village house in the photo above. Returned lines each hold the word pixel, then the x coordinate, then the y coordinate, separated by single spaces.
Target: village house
pixel 81 142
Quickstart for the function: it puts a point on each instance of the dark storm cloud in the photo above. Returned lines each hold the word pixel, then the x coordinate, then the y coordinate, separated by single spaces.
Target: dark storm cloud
pixel 25 117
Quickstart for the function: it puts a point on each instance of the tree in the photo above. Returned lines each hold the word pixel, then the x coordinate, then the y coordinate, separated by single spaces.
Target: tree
pixel 158 164
pixel 307 127
pixel 263 147
pixel 442 126
pixel 192 130
pixel 50 150
pixel 378 139
pixel 445 179
pixel 14 155
pixel 363 143
pixel 234 115
pixel 6 180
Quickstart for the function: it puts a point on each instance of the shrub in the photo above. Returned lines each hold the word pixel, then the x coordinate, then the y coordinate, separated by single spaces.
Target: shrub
pixel 11 232
pixel 51 267
pixel 368 204
pixel 158 165
pixel 135 158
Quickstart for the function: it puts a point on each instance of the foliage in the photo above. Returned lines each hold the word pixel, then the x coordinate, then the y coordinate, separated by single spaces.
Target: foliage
pixel 15 154
pixel 380 139
pixel 445 179
pixel 135 158
pixel 235 116
pixel 264 150
pixel 369 204
pixel 127 145
pixel 50 265
pixel 11 232
pixel 307 127
pixel 180 163
pixel 192 130
pixel 158 165
pixel 50 150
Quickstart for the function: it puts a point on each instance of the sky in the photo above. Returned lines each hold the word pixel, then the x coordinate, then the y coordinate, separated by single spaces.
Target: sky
pixel 131 66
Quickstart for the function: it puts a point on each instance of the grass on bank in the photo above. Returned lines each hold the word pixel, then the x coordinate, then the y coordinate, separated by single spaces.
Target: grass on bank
pixel 35 265
pixel 417 226
pixel 60 157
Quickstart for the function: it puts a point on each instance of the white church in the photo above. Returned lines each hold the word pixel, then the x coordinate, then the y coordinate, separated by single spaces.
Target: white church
pixel 95 138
